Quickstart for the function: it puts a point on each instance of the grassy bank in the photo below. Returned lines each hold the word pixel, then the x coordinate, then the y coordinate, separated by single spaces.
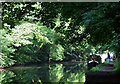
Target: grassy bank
pixel 100 66
pixel 96 68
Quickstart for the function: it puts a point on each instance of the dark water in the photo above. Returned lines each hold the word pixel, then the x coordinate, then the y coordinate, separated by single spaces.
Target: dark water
pixel 62 73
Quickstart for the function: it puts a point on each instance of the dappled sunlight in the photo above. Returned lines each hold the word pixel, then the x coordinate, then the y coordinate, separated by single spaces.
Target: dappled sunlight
pixel 76 42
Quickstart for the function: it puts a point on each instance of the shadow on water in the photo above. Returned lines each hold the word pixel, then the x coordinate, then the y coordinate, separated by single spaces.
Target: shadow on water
pixel 63 73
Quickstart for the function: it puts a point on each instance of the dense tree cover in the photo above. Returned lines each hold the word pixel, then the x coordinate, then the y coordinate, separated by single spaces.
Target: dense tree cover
pixel 98 22
pixel 76 21
pixel 32 42
pixel 78 26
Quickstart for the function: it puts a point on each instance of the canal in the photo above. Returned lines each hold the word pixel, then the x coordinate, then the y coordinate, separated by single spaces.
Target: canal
pixel 67 72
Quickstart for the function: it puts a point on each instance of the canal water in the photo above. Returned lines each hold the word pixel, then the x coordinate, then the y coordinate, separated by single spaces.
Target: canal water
pixel 54 73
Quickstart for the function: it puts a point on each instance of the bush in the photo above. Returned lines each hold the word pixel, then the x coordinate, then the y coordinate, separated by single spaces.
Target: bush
pixel 31 43
pixel 6 49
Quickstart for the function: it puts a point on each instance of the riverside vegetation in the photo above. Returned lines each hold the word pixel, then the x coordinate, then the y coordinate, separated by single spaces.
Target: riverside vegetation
pixel 43 32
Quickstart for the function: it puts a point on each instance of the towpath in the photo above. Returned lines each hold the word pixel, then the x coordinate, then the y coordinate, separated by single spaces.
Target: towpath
pixel 105 76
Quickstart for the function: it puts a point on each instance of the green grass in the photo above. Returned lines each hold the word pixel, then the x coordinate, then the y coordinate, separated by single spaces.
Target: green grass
pixel 97 68
pixel 106 62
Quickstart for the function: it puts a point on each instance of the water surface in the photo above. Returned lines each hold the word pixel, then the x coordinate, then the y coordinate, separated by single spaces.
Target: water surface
pixel 67 72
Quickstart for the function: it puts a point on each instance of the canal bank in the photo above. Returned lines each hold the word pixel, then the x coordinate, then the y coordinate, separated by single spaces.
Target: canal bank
pixel 105 76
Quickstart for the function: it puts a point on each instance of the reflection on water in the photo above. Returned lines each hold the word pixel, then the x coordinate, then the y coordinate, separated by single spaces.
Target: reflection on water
pixel 39 74
pixel 6 76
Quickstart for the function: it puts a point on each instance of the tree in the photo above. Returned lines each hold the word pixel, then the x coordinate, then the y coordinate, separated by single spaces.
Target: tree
pixel 78 24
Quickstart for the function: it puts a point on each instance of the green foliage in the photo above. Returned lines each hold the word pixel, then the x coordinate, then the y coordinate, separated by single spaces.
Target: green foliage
pixel 96 68
pixel 56 52
pixel 93 17
pixel 6 50
pixel 35 43
pixel 106 62
pixel 32 74
pixel 6 76
pixel 30 39
pixel 67 73
pixel 5 60
pixel 56 72
pixel 117 65
pixel 81 25
pixel 41 73
pixel 10 9
pixel 73 54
